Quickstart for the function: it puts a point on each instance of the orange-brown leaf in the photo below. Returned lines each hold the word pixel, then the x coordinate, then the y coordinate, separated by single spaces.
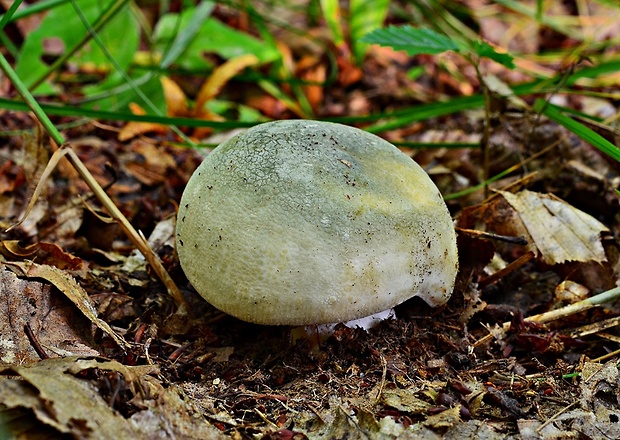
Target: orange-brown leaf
pixel 220 76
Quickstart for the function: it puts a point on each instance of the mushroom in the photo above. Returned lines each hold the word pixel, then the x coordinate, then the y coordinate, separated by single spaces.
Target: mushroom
pixel 303 222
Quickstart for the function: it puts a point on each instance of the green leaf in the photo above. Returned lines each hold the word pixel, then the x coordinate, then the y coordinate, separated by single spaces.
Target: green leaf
pixel 212 37
pixel 196 19
pixel 116 93
pixel 484 49
pixel 365 16
pixel 412 40
pixel 331 14
pixel 62 24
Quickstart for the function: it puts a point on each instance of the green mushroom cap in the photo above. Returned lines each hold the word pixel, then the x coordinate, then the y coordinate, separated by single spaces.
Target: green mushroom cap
pixel 305 222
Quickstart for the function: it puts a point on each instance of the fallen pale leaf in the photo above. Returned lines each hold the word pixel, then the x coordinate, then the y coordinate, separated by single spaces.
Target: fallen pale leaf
pixel 64 282
pixel 50 317
pixel 49 394
pixel 560 231
pixel 404 400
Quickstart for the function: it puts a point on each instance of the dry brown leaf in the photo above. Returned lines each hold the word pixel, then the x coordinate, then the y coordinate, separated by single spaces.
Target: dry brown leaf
pixel 220 76
pixel 133 129
pixel 311 69
pixel 131 374
pixel 445 419
pixel 151 164
pixel 173 415
pixel 404 400
pixel 72 290
pixel 560 231
pixel 11 177
pixel 50 316
pixel 176 101
pixel 63 402
pixel 176 105
pixel 50 253
pixel 348 72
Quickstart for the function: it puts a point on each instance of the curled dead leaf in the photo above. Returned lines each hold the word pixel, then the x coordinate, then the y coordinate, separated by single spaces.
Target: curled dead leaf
pixel 72 290
pixel 559 231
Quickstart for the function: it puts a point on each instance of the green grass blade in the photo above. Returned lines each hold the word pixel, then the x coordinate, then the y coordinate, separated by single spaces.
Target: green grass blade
pixel 555 114
pixel 66 110
pixel 8 44
pixel 435 145
pixel 539 10
pixel 4 20
pixel 188 32
pixel 331 14
pixel 9 14
pixel 36 8
pixel 427 111
pixel 29 101
pixel 101 21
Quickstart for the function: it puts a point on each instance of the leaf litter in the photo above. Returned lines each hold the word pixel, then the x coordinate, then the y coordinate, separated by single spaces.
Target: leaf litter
pixel 428 373
pixel 484 366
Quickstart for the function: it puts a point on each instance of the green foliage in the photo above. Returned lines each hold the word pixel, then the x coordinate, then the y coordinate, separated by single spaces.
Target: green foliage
pixel 365 17
pixel 185 35
pixel 417 41
pixel 120 35
pixel 412 40
pixel 144 88
pixel 119 90
pixel 484 49
pixel 331 12
pixel 212 37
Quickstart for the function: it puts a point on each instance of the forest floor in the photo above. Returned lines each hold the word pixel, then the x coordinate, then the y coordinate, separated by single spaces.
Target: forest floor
pixel 474 368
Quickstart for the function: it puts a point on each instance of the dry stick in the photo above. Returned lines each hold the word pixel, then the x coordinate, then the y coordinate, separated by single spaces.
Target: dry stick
pixel 523 259
pixel 491 236
pixel 136 237
pixel 571 309
pixel 606 356
pixel 556 415
pixel 596 327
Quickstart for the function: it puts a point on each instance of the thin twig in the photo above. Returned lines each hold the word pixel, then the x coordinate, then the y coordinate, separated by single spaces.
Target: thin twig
pixel 555 416
pixel 570 309
pixel 35 342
